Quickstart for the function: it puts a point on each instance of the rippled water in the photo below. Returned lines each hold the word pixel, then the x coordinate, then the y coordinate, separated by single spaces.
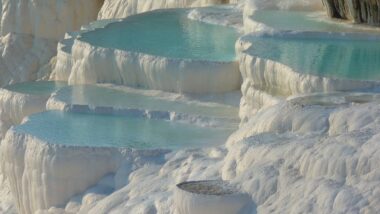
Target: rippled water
pixel 167 33
pixel 113 131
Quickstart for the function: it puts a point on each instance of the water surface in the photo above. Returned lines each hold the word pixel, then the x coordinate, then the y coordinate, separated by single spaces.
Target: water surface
pixel 305 21
pixel 338 58
pixel 167 33
pixel 113 131
pixel 103 96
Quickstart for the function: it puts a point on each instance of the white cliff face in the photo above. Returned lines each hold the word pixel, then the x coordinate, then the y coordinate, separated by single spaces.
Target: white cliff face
pixel 124 8
pixel 47 19
pixel 6 200
pixel 22 56
pixel 30 31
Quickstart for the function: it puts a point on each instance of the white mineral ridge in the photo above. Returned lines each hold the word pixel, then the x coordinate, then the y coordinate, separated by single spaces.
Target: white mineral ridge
pixel 251 6
pixel 30 31
pixel 6 200
pixel 230 15
pixel 90 65
pixel 48 19
pixel 15 106
pixel 304 5
pixel 124 8
pixel 289 167
pixel 187 202
pixel 42 175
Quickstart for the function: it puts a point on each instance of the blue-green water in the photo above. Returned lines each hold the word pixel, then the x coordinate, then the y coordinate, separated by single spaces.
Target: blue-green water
pixel 348 59
pixel 167 33
pixel 112 131
pixel 118 98
pixel 303 21
pixel 36 88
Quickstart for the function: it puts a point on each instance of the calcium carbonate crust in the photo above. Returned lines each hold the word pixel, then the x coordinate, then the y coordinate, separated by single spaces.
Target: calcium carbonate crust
pixel 48 19
pixel 327 155
pixel 124 8
pixel 89 66
pixel 265 82
pixel 51 174
pixel 22 56
pixel 15 106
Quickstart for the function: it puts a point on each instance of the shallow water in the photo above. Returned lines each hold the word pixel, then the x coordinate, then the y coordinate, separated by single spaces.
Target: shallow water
pixel 176 37
pixel 113 131
pixel 118 98
pixel 36 88
pixel 347 59
pixel 305 21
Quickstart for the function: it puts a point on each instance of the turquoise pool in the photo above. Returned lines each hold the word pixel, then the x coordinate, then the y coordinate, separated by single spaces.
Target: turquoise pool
pixel 338 58
pixel 103 96
pixel 36 88
pixel 304 21
pixel 112 131
pixel 176 37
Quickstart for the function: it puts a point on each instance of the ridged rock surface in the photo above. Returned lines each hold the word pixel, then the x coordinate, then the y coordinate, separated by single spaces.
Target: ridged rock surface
pixel 48 19
pixel 359 11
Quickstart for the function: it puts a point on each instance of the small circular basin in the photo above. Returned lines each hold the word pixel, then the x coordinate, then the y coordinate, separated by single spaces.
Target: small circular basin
pixel 211 197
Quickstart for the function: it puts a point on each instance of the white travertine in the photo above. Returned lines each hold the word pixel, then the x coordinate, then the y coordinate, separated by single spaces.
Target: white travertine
pixel 48 19
pixel 124 8
pixel 92 65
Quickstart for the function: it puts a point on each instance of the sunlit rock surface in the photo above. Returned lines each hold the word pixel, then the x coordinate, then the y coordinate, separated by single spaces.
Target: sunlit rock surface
pixel 36 161
pixel 22 56
pixel 47 19
pixel 124 8
pixel 30 31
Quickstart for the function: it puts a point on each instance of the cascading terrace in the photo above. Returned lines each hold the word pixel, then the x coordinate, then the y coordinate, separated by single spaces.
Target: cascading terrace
pixel 146 119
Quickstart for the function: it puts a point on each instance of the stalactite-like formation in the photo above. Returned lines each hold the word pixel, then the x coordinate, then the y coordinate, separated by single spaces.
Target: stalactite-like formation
pixel 359 11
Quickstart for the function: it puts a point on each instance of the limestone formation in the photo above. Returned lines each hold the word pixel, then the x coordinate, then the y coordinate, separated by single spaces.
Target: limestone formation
pixel 358 11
